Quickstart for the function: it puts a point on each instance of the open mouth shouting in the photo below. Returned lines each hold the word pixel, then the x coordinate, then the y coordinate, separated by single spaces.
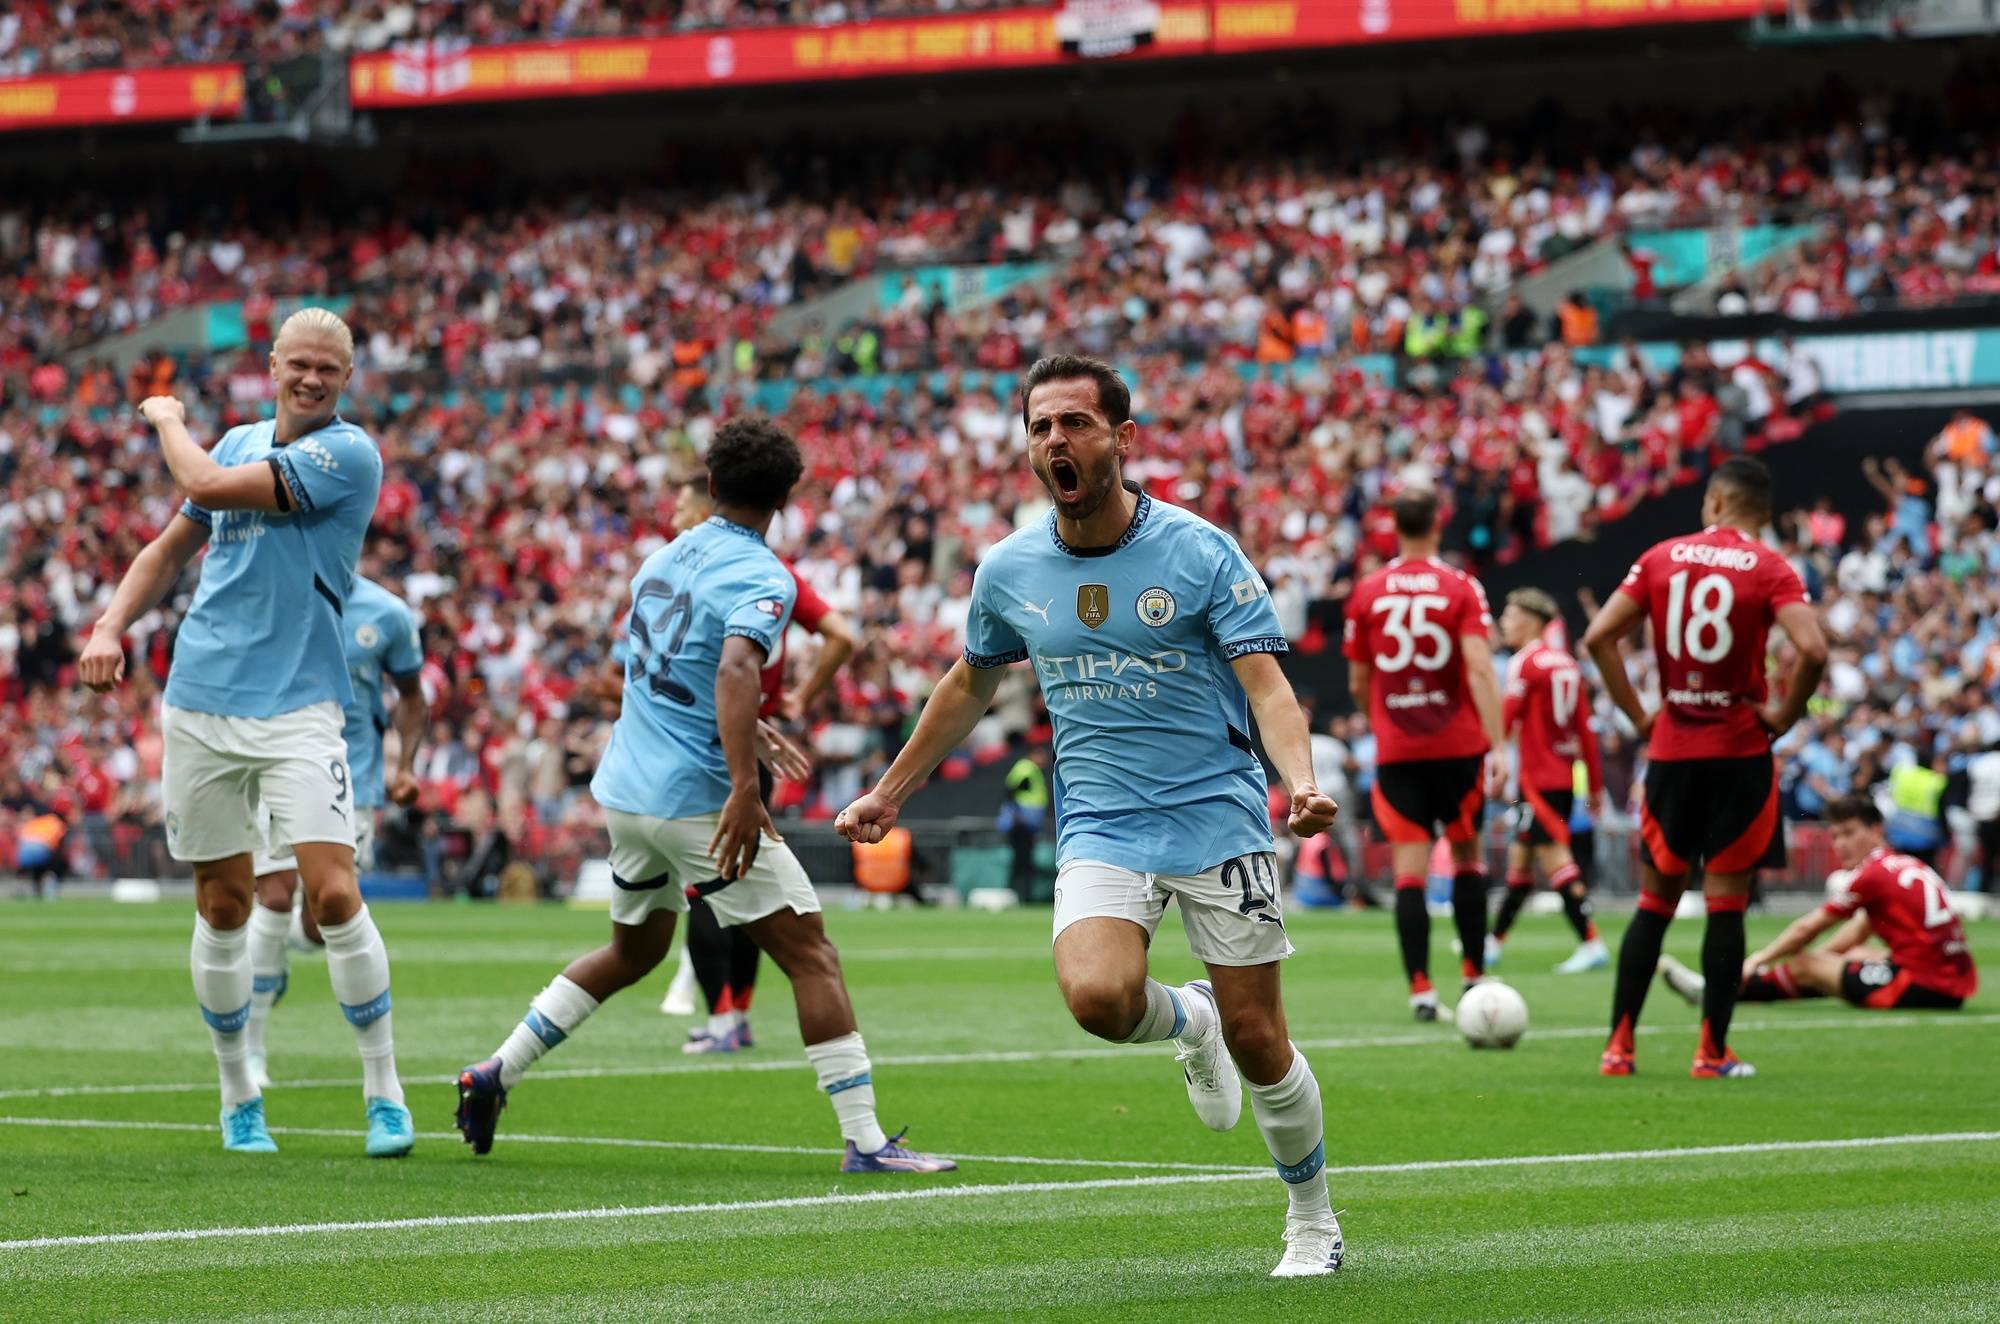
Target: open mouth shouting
pixel 1065 479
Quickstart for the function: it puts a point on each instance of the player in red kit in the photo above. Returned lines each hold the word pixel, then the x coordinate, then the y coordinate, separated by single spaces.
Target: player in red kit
pixel 1926 967
pixel 1420 664
pixel 1547 711
pixel 1711 794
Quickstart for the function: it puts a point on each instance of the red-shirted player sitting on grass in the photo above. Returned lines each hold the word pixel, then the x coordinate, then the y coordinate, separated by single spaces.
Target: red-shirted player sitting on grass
pixel 1926 965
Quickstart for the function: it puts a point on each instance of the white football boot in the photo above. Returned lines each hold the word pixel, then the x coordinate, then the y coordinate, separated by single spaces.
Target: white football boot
pixel 1213 1086
pixel 1312 1247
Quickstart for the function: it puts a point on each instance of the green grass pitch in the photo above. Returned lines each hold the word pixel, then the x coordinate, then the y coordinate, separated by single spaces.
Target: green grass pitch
pixel 652 1186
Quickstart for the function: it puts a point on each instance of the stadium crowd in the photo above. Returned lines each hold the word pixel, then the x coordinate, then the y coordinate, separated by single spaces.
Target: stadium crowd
pixel 61 36
pixel 541 381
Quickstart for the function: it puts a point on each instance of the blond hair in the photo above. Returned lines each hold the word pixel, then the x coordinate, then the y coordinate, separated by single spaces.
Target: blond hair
pixel 1535 601
pixel 321 320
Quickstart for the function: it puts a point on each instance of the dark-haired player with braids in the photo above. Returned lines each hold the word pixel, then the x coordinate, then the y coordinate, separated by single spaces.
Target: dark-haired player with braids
pixel 680 793
pixel 1711 795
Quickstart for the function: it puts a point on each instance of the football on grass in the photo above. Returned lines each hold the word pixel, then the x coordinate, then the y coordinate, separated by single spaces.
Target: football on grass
pixel 1492 1015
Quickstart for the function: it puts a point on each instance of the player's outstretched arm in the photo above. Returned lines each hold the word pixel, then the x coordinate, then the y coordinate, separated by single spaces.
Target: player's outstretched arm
pixel 210 485
pixel 1792 941
pixel 1849 935
pixel 1283 729
pixel 1801 625
pixel 1614 620
pixel 153 572
pixel 837 645
pixel 954 708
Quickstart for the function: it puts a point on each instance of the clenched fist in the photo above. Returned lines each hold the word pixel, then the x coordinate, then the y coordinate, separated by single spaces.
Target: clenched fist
pixel 158 409
pixel 102 663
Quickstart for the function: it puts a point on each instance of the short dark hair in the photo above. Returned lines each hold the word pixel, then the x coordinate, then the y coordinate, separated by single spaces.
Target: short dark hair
pixel 1854 809
pixel 1534 601
pixel 753 462
pixel 1113 396
pixel 1746 483
pixel 1416 512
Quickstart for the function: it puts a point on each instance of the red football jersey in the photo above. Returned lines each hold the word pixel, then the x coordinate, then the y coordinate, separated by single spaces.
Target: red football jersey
pixel 807 612
pixel 1548 709
pixel 1908 909
pixel 1406 619
pixel 1712 598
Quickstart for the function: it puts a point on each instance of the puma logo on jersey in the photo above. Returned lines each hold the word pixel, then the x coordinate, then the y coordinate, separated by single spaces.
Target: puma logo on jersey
pixel 1041 611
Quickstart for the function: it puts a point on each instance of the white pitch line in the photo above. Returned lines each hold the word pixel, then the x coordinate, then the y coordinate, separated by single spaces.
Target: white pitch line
pixel 961 1192
pixel 1438 1038
pixel 630 1142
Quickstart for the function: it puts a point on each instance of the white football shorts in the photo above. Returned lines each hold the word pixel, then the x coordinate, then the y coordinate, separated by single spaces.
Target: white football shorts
pixel 267 859
pixel 217 770
pixel 1233 913
pixel 654 861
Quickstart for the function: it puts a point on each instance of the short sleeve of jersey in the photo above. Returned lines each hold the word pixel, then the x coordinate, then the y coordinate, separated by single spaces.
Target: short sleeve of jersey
pixel 1850 898
pixel 328 467
pixel 1352 646
pixel 1240 614
pixel 1475 617
pixel 809 608
pixel 405 655
pixel 197 514
pixel 1634 585
pixel 989 640
pixel 758 607
pixel 1785 585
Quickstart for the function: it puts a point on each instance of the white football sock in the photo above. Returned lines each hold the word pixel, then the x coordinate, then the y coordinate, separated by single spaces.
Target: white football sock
pixel 1294 1130
pixel 219 960
pixel 357 965
pixel 842 1067
pixel 722 1022
pixel 552 1017
pixel 270 963
pixel 1171 1013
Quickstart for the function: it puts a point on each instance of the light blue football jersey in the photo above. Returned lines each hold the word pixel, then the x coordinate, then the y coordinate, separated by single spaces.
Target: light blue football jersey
pixel 263 635
pixel 716 580
pixel 380 633
pixel 1132 645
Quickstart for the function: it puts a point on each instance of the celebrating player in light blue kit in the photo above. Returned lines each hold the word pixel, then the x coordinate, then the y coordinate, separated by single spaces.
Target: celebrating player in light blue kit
pixel 380 635
pixel 253 703
pixel 1153 640
pixel 680 794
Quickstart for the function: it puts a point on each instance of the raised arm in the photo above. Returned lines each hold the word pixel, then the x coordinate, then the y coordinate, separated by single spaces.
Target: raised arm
pixel 153 572
pixel 1286 740
pixel 949 715
pixel 212 486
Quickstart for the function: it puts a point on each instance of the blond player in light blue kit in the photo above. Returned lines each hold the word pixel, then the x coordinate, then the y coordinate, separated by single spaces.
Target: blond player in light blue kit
pixel 253 708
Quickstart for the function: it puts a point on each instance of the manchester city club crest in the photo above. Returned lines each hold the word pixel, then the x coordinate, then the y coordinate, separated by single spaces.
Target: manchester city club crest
pixel 1156 607
pixel 367 636
pixel 1093 604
